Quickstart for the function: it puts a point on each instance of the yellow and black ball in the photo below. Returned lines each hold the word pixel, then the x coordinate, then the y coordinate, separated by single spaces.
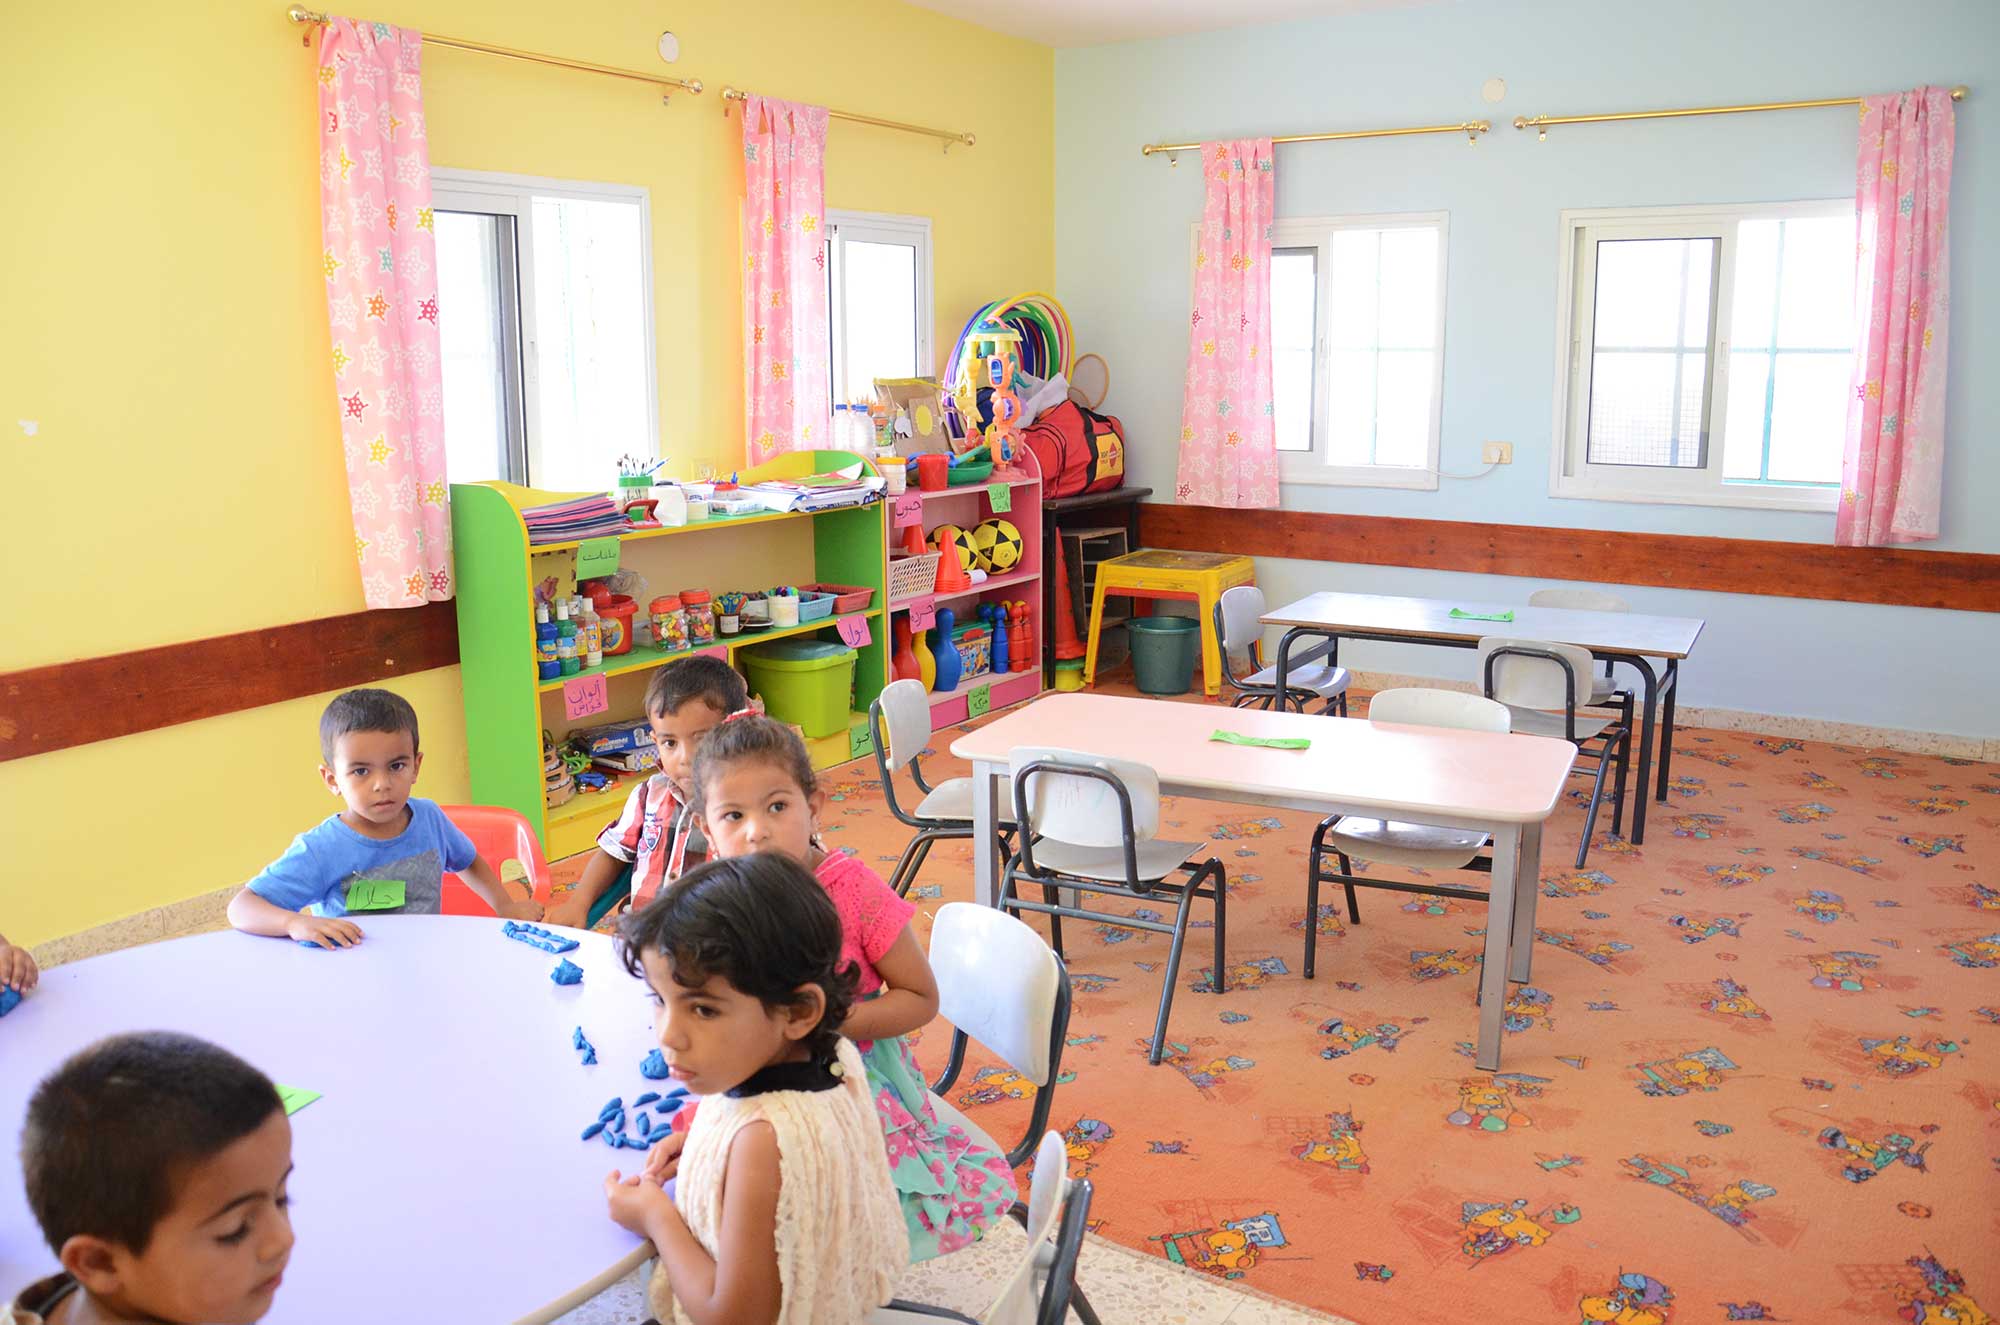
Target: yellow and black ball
pixel 997 546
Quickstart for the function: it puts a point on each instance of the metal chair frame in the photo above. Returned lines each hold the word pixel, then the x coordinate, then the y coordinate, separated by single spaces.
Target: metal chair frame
pixel 1617 736
pixel 1038 1120
pixel 1263 696
pixel 929 831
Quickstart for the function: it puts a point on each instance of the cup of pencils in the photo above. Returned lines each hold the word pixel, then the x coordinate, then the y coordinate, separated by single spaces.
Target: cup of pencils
pixel 635 482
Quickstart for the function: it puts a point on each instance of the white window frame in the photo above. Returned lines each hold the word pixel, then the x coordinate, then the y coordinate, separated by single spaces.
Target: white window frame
pixel 1304 467
pixel 496 193
pixel 1569 474
pixel 877 228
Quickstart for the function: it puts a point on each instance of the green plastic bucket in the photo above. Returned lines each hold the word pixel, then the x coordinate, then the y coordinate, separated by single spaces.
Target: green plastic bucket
pixel 1163 653
pixel 803 681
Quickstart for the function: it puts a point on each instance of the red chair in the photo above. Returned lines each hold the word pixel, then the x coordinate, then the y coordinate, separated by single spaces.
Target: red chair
pixel 500 835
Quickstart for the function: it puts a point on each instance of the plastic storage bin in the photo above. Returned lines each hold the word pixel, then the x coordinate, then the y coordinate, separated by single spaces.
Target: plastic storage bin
pixel 803 681
pixel 1163 653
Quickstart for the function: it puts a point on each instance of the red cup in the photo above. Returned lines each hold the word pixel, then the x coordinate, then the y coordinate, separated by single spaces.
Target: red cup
pixel 933 472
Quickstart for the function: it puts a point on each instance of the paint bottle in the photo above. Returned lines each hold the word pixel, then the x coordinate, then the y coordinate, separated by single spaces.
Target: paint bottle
pixel 547 666
pixel 591 637
pixel 566 639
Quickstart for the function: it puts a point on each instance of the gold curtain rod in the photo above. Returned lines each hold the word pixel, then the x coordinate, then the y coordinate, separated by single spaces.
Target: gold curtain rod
pixel 300 14
pixel 730 94
pixel 1471 129
pixel 1541 122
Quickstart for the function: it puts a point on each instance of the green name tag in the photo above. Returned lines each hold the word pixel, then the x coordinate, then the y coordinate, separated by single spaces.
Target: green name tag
pixel 375 894
pixel 979 702
pixel 1269 742
pixel 860 741
pixel 596 557
pixel 1460 614
pixel 1001 496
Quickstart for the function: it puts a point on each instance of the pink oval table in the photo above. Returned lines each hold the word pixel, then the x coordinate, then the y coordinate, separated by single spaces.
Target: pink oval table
pixel 441 1176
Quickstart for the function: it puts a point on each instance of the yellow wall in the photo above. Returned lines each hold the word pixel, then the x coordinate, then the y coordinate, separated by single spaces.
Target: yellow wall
pixel 162 319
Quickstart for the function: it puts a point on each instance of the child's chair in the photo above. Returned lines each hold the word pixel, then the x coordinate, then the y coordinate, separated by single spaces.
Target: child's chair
pixel 899 720
pixel 1239 629
pixel 501 835
pixel 1605 692
pixel 1041 1287
pixel 1348 838
pixel 999 984
pixel 1087 825
pixel 1531 676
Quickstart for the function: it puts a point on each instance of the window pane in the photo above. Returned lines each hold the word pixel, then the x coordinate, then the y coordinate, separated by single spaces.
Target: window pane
pixel 1817 301
pixel 1809 418
pixel 1351 407
pixel 1408 319
pixel 880 326
pixel 590 342
pixel 1354 256
pixel 1294 294
pixel 1754 310
pixel 1647 406
pixel 1743 428
pixel 1653 293
pixel 1403 408
pixel 471 340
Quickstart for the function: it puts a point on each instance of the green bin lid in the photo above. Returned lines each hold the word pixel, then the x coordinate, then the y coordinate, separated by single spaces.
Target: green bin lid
pixel 798 651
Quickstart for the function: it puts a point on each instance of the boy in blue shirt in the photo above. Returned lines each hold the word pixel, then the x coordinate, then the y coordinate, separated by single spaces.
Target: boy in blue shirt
pixel 368 739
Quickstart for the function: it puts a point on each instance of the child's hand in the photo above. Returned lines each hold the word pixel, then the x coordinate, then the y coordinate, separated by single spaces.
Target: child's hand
pixel 528 910
pixel 17 968
pixel 663 1160
pixel 634 1203
pixel 323 931
pixel 572 911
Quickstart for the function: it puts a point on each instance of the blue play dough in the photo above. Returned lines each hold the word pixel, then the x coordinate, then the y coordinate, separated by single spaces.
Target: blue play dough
pixel 10 997
pixel 644 1100
pixel 567 972
pixel 577 1040
pixel 655 1066
pixel 592 1130
pixel 536 937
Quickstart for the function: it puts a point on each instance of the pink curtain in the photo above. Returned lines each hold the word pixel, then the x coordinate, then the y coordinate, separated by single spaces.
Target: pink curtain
pixel 380 260
pixel 1229 438
pixel 786 406
pixel 1893 467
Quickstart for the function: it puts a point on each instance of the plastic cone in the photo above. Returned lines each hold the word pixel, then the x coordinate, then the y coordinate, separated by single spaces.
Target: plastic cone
pixel 1068 646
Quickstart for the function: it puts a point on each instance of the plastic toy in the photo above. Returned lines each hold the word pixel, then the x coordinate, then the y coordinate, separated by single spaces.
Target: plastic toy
pixel 949 665
pixel 903 661
pixel 537 937
pixel 926 663
pixel 996 621
pixel 567 972
pixel 960 542
pixel 996 544
pixel 1021 645
pixel 654 1066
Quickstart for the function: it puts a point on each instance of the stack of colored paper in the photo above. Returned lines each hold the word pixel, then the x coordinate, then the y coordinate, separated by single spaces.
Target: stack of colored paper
pixel 577 518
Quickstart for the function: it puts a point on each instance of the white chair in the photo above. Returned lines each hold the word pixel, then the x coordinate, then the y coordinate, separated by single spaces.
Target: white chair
pixel 1239 629
pixel 999 984
pixel 1089 824
pixel 900 721
pixel 1532 677
pixel 1042 1284
pixel 1419 846
pixel 1605 692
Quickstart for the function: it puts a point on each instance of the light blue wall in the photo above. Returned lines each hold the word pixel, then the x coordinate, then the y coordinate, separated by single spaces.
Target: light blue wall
pixel 1122 266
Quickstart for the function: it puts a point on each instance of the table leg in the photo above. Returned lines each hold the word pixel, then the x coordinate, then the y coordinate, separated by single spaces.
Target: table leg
pixel 1647 721
pixel 1673 688
pixel 1527 888
pixel 1096 625
pixel 985 818
pixel 1211 647
pixel 1493 972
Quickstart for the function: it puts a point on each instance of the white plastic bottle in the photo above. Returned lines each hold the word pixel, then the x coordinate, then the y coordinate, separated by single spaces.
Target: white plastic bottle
pixel 590 636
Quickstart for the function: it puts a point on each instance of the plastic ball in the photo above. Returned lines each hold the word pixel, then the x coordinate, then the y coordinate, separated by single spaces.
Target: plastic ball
pixel 997 545
pixel 960 541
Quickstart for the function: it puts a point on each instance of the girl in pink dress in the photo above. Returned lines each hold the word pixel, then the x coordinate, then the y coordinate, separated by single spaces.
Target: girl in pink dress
pixel 755 790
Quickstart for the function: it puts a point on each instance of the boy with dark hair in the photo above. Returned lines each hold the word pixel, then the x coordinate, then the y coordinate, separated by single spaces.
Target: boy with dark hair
pixel 656 835
pixel 156 1165
pixel 368 739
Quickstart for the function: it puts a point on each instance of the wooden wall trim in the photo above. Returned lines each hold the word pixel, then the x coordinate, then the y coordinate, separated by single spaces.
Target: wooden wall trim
pixel 95 699
pixel 1902 577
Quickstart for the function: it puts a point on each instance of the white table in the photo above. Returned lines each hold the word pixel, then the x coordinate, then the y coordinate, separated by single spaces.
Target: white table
pixel 1502 785
pixel 442 1176
pixel 1632 638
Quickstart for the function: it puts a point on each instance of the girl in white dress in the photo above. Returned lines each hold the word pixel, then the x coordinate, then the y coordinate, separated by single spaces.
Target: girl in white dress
pixel 783 1212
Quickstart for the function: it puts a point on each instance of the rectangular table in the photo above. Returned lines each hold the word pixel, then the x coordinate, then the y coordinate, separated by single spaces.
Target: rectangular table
pixel 1631 638
pixel 1502 785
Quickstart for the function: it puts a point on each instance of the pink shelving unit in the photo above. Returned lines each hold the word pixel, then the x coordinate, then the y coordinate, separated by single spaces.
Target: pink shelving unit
pixel 965 507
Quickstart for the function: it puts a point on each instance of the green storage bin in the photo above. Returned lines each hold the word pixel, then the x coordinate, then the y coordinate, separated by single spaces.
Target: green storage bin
pixel 803 681
pixel 1163 653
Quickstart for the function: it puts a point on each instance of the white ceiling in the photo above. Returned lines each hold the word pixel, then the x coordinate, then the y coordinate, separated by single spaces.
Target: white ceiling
pixel 1092 22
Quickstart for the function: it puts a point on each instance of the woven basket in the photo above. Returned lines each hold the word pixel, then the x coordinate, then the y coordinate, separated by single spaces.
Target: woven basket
pixel 911 576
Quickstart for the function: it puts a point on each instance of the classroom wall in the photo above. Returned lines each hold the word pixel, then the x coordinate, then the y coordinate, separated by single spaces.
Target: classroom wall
pixel 1122 267
pixel 162 321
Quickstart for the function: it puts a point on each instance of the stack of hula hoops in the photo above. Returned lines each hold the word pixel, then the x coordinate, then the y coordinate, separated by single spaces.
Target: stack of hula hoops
pixel 1047 343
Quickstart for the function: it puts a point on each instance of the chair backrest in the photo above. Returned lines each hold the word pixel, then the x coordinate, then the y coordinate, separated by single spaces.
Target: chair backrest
pixel 1239 618
pixel 500 835
pixel 1084 799
pixel 1582 600
pixel 1535 674
pixel 1018 1303
pixel 1050 1179
pixel 905 710
pixel 1419 706
pixel 1000 983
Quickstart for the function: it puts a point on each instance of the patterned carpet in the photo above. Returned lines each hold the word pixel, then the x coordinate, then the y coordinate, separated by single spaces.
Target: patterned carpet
pixel 1756 1075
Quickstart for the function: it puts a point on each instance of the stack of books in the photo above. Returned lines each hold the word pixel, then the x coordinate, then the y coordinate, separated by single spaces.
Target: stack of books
pixel 580 517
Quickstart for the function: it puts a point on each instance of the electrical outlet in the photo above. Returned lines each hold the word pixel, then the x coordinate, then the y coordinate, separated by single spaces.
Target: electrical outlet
pixel 1496 453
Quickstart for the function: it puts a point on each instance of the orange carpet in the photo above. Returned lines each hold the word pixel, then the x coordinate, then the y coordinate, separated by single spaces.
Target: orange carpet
pixel 1756 1075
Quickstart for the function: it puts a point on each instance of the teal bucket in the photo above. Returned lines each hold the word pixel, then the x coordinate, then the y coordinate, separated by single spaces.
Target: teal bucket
pixel 1164 649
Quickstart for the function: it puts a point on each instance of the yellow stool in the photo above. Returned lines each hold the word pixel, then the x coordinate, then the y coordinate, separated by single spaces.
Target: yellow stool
pixel 1200 576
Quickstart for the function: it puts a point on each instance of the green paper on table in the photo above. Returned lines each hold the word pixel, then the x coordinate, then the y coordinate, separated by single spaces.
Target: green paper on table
pixel 1269 742
pixel 1460 614
pixel 375 895
pixel 295 1098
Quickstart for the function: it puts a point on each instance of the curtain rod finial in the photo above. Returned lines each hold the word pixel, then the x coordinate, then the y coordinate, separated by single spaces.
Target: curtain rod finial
pixel 1961 92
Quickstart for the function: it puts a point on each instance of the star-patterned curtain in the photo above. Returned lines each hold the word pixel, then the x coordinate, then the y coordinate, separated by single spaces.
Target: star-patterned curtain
pixel 1229 434
pixel 786 400
pixel 379 255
